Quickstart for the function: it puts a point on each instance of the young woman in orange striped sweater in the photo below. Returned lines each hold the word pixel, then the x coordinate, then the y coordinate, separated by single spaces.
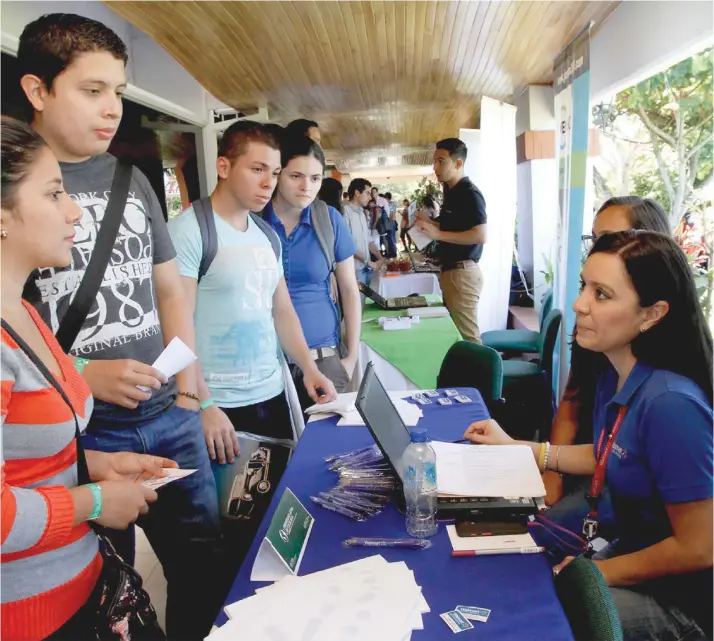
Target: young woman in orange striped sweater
pixel 51 563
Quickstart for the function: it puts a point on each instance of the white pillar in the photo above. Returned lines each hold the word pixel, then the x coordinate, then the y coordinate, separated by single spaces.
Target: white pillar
pixel 206 156
pixel 493 170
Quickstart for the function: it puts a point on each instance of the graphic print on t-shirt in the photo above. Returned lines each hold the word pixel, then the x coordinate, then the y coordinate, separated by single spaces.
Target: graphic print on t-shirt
pixel 125 309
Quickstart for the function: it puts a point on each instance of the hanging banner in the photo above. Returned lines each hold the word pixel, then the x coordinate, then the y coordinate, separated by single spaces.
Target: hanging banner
pixel 572 109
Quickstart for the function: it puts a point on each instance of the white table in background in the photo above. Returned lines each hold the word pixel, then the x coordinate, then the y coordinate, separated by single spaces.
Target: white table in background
pixel 406 284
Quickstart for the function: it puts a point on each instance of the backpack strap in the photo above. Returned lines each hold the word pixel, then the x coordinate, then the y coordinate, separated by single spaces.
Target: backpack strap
pixel 209 238
pixel 269 232
pixel 325 232
pixel 86 293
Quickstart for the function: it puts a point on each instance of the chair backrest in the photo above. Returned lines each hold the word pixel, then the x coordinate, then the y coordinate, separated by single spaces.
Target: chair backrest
pixel 548 336
pixel 468 364
pixel 546 304
pixel 587 602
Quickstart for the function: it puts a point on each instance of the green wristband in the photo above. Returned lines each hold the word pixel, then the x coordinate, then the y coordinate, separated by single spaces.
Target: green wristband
pixel 97 496
pixel 80 364
pixel 207 403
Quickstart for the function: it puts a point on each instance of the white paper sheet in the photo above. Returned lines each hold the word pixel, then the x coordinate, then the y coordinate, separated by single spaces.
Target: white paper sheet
pixel 499 542
pixel 419 238
pixel 344 406
pixel 172 474
pixel 487 470
pixel 175 358
pixel 366 599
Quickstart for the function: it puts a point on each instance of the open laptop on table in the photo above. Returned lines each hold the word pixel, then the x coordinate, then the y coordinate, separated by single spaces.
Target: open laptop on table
pixel 401 302
pixel 392 437
pixel 424 268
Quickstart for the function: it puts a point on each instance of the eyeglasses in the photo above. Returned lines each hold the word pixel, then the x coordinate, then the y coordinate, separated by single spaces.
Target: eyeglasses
pixel 588 242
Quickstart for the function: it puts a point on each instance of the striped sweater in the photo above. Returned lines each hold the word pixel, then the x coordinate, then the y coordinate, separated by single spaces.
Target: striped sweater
pixel 49 568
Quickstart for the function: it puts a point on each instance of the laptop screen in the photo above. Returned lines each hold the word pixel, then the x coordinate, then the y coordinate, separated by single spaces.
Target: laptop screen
pixel 370 293
pixel 382 419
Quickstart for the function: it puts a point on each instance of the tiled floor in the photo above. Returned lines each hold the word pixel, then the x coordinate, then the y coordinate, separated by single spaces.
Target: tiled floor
pixel 154 582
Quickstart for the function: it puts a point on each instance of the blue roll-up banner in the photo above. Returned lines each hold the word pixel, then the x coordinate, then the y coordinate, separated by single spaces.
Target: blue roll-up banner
pixel 572 109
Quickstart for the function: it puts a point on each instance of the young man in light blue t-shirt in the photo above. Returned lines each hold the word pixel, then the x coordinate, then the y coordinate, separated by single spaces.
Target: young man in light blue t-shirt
pixel 243 317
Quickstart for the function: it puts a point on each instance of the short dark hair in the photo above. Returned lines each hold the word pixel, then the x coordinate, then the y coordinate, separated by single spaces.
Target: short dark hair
pixel 20 145
pixel 357 185
pixel 388 195
pixel 331 193
pixel 297 146
pixel 236 138
pixel 642 213
pixel 49 44
pixel 456 148
pixel 300 127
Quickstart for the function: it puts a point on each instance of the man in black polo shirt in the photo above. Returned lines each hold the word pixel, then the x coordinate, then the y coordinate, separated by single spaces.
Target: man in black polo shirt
pixel 461 233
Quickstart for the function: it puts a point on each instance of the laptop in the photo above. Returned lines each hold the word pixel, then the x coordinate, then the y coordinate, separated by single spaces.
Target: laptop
pixel 424 268
pixel 401 302
pixel 392 437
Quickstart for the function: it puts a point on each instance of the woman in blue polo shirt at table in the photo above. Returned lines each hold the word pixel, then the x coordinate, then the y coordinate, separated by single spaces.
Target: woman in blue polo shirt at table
pixel 652 432
pixel 296 218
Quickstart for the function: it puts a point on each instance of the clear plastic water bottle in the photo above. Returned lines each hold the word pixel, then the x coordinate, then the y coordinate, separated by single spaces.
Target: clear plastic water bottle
pixel 420 485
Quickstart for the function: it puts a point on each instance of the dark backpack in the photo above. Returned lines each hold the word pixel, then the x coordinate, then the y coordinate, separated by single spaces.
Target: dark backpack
pixel 209 239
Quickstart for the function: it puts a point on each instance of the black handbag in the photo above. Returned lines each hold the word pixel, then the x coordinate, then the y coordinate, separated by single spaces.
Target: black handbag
pixel 124 610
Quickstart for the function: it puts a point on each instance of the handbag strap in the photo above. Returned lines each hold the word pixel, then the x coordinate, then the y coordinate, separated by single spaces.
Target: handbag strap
pixel 73 320
pixel 82 469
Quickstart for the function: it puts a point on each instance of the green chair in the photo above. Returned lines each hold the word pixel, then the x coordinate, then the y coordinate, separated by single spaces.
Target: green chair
pixel 519 341
pixel 587 602
pixel 468 364
pixel 518 370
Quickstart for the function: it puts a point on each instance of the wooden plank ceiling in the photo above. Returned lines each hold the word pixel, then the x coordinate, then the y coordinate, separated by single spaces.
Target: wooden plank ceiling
pixel 385 80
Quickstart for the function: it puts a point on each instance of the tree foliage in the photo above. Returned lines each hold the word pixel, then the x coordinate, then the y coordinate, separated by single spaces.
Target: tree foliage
pixel 675 108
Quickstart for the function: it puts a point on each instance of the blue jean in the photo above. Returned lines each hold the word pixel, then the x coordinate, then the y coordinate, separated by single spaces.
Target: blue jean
pixel 647 613
pixel 183 525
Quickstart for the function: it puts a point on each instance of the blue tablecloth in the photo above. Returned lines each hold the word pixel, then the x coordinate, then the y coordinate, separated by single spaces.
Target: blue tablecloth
pixel 518 589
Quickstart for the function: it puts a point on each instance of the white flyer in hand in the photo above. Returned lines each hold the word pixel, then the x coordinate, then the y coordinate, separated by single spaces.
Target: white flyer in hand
pixel 175 358
pixel 172 474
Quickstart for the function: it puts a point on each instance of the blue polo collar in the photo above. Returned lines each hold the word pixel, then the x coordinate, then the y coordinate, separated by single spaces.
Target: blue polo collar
pixel 271 217
pixel 639 374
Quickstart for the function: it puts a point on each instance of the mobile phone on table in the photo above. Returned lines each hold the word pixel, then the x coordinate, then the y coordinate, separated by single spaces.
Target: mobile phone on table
pixel 466 529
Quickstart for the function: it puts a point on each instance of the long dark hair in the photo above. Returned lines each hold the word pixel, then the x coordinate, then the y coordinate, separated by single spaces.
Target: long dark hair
pixel 585 366
pixel 292 146
pixel 20 146
pixel 642 213
pixel 681 341
pixel 331 193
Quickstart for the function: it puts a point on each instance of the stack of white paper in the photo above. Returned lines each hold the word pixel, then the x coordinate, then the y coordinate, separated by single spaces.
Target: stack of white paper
pixel 487 470
pixel 428 312
pixel 344 405
pixel 366 599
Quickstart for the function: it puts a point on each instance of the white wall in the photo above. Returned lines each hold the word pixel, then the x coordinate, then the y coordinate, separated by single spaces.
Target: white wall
pixel 640 39
pixel 155 78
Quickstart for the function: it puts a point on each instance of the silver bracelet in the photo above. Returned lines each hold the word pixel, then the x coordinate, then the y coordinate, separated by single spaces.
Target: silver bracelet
pixel 557 460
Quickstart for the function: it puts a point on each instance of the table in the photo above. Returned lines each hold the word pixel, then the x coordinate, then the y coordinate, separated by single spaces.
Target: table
pixel 391 377
pixel 416 352
pixel 405 284
pixel 518 589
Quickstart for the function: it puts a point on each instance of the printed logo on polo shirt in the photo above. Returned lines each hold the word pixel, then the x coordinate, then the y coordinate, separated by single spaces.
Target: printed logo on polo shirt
pixel 620 452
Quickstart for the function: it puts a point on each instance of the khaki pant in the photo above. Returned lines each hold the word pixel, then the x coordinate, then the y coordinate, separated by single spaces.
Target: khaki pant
pixel 461 289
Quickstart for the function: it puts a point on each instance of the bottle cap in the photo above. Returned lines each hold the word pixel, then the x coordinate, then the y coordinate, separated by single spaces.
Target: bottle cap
pixel 418 435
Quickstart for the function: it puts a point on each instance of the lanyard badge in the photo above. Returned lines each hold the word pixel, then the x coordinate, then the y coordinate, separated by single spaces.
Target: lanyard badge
pixel 591 523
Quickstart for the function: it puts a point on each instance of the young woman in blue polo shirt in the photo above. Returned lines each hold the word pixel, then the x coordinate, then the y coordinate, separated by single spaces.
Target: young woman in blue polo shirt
pixel 652 421
pixel 306 267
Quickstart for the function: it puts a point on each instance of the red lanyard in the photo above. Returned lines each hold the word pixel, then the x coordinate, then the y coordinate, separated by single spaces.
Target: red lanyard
pixel 599 475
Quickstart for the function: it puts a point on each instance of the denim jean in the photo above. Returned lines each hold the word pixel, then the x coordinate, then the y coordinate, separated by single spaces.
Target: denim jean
pixel 183 525
pixel 646 612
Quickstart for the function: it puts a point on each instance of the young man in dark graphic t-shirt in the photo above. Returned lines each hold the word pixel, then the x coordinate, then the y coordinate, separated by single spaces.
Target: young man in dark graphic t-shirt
pixel 73 74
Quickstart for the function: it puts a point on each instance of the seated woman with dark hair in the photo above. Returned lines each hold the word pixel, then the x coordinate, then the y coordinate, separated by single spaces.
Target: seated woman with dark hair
pixel 573 420
pixel 639 312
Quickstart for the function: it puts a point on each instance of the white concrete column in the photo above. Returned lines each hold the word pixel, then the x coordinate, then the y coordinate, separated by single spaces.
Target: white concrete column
pixel 206 156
